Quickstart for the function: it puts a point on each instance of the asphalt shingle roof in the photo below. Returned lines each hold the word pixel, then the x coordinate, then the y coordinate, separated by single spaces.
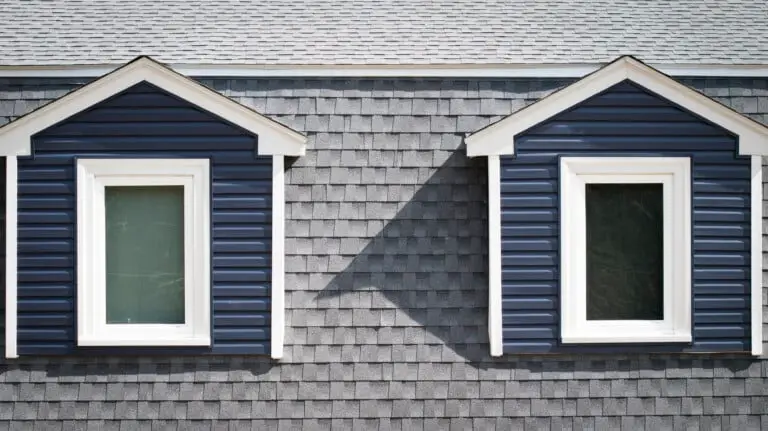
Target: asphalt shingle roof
pixel 386 32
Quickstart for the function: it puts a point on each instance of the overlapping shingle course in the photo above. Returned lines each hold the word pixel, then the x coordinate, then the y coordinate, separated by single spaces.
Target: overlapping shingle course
pixel 384 32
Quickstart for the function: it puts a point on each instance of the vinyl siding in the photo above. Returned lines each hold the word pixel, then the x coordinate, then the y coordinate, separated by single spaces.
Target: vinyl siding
pixel 625 121
pixel 145 122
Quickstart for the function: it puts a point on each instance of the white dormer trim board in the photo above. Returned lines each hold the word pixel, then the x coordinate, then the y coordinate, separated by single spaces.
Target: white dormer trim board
pixel 274 138
pixel 499 138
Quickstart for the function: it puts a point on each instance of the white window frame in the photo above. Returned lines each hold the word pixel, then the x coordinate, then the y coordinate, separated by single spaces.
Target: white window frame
pixel 93 175
pixel 674 174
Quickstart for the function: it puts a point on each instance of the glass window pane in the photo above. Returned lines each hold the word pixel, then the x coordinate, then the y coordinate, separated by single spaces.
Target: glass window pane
pixel 145 254
pixel 625 252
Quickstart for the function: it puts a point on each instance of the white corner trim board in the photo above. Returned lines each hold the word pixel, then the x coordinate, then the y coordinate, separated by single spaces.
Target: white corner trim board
pixel 674 173
pixel 11 256
pixel 756 275
pixel 274 138
pixel 495 311
pixel 517 70
pixel 499 138
pixel 93 176
pixel 278 257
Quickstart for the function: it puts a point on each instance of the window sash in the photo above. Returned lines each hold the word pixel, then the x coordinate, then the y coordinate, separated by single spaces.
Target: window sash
pixel 144 252
pixel 613 242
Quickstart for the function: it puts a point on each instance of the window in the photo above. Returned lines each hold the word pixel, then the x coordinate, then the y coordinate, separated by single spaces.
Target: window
pixel 625 249
pixel 143 252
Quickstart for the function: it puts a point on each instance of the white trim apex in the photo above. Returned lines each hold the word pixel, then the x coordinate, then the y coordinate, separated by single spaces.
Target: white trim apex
pixel 675 175
pixel 93 175
pixel 756 251
pixel 11 256
pixel 278 258
pixel 274 138
pixel 499 138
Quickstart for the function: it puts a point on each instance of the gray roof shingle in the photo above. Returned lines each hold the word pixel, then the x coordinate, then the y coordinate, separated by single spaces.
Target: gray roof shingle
pixel 385 32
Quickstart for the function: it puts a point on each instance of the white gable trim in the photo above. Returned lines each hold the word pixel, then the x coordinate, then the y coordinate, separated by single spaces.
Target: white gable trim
pixel 274 138
pixel 499 138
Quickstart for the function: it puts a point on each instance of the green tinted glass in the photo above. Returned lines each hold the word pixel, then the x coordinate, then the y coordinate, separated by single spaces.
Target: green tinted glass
pixel 625 252
pixel 145 254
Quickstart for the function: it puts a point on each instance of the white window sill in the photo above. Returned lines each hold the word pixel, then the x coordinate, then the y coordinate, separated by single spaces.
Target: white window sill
pixel 144 342
pixel 626 338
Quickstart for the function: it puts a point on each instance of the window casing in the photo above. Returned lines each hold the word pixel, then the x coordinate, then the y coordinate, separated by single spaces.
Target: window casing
pixel 93 177
pixel 674 175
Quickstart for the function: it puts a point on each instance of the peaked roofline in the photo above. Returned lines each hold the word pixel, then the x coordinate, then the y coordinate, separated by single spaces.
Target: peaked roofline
pixel 274 138
pixel 499 138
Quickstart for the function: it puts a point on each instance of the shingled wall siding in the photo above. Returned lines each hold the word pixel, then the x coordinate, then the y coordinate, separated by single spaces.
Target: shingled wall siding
pixel 387 293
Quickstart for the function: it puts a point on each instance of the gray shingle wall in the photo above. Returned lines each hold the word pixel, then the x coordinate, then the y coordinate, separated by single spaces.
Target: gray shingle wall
pixel 387 294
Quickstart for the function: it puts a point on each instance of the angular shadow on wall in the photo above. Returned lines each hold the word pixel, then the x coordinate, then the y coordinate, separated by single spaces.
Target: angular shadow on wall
pixel 429 263
pixel 428 268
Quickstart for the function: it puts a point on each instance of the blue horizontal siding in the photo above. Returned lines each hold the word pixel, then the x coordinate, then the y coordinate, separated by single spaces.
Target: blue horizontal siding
pixel 625 121
pixel 144 122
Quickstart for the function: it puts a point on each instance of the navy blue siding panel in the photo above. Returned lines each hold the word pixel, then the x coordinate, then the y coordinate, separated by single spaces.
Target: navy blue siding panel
pixel 625 121
pixel 145 122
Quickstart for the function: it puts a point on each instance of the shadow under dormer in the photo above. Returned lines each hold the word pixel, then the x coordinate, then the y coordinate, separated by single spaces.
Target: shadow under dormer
pixel 430 263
